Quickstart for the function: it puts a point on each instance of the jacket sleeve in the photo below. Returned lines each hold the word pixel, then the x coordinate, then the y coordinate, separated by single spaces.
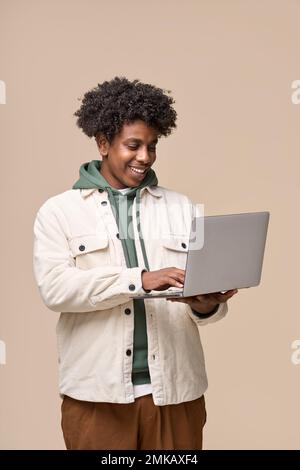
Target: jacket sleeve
pixel 65 288
pixel 203 319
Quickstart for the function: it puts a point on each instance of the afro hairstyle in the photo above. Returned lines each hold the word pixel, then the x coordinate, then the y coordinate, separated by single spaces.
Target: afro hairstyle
pixel 110 105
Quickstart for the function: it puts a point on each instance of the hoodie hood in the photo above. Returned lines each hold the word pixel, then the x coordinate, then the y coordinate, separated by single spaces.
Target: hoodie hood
pixel 90 177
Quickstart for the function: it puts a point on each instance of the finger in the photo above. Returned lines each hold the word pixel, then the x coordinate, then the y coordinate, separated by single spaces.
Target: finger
pixel 224 297
pixel 174 282
pixel 179 272
pixel 178 277
pixel 229 293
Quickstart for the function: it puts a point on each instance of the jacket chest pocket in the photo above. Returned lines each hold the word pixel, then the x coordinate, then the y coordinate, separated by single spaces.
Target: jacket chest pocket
pixel 90 251
pixel 175 250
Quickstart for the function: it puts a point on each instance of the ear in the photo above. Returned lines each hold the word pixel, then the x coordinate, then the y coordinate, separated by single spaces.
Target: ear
pixel 102 144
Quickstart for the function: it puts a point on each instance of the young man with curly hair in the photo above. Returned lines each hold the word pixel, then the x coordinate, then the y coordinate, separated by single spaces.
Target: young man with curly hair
pixel 132 372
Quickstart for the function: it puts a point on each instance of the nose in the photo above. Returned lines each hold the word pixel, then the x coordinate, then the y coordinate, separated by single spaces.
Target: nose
pixel 143 155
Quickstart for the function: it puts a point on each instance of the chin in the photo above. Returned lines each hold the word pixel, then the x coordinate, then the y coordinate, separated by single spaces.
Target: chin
pixel 132 184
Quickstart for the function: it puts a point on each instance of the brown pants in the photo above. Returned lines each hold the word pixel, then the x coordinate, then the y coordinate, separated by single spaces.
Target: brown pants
pixel 140 425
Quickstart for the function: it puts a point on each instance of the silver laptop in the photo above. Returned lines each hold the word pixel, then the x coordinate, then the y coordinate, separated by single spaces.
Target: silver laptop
pixel 230 257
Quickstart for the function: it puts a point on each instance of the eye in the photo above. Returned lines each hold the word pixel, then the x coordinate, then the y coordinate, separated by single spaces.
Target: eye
pixel 132 147
pixel 152 148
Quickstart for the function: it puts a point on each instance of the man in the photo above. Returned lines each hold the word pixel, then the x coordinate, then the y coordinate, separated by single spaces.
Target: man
pixel 132 372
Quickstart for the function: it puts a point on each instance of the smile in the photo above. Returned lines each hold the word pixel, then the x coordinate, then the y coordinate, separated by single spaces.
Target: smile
pixel 137 171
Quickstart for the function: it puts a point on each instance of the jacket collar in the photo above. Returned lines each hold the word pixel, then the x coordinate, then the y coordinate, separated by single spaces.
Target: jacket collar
pixel 153 190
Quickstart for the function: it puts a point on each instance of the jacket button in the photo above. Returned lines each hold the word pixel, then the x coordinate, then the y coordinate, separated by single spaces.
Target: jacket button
pixel 118 235
pixel 128 352
pixel 81 248
pixel 132 287
pixel 104 203
pixel 183 245
pixel 127 311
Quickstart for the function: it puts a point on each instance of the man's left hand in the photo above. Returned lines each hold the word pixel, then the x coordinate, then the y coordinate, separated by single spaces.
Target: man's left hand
pixel 205 303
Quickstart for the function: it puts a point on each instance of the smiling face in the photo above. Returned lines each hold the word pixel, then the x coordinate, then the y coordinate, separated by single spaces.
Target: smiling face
pixel 132 152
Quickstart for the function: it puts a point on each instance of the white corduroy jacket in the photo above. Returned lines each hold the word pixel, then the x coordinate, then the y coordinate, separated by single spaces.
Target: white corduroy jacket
pixel 81 272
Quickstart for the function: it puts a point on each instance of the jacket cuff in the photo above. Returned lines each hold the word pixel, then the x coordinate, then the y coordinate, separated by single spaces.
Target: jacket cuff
pixel 146 290
pixel 206 315
pixel 202 319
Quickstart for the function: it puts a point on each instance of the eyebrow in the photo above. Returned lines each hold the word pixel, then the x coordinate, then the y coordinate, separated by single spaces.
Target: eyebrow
pixel 140 140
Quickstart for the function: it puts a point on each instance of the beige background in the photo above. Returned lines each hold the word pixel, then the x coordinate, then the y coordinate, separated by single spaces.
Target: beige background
pixel 230 65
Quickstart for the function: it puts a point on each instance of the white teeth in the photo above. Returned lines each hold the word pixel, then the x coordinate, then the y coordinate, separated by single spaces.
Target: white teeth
pixel 136 170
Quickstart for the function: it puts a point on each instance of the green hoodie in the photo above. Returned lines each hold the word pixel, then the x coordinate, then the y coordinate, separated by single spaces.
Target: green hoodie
pixel 121 204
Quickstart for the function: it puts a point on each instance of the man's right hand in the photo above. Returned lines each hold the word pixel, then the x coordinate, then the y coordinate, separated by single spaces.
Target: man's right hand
pixel 163 279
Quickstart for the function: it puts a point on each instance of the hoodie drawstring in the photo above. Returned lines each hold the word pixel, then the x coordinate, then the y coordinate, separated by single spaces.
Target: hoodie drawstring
pixel 141 238
pixel 112 201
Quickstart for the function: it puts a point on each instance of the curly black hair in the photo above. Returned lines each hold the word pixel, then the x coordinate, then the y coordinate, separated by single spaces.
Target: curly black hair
pixel 110 105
